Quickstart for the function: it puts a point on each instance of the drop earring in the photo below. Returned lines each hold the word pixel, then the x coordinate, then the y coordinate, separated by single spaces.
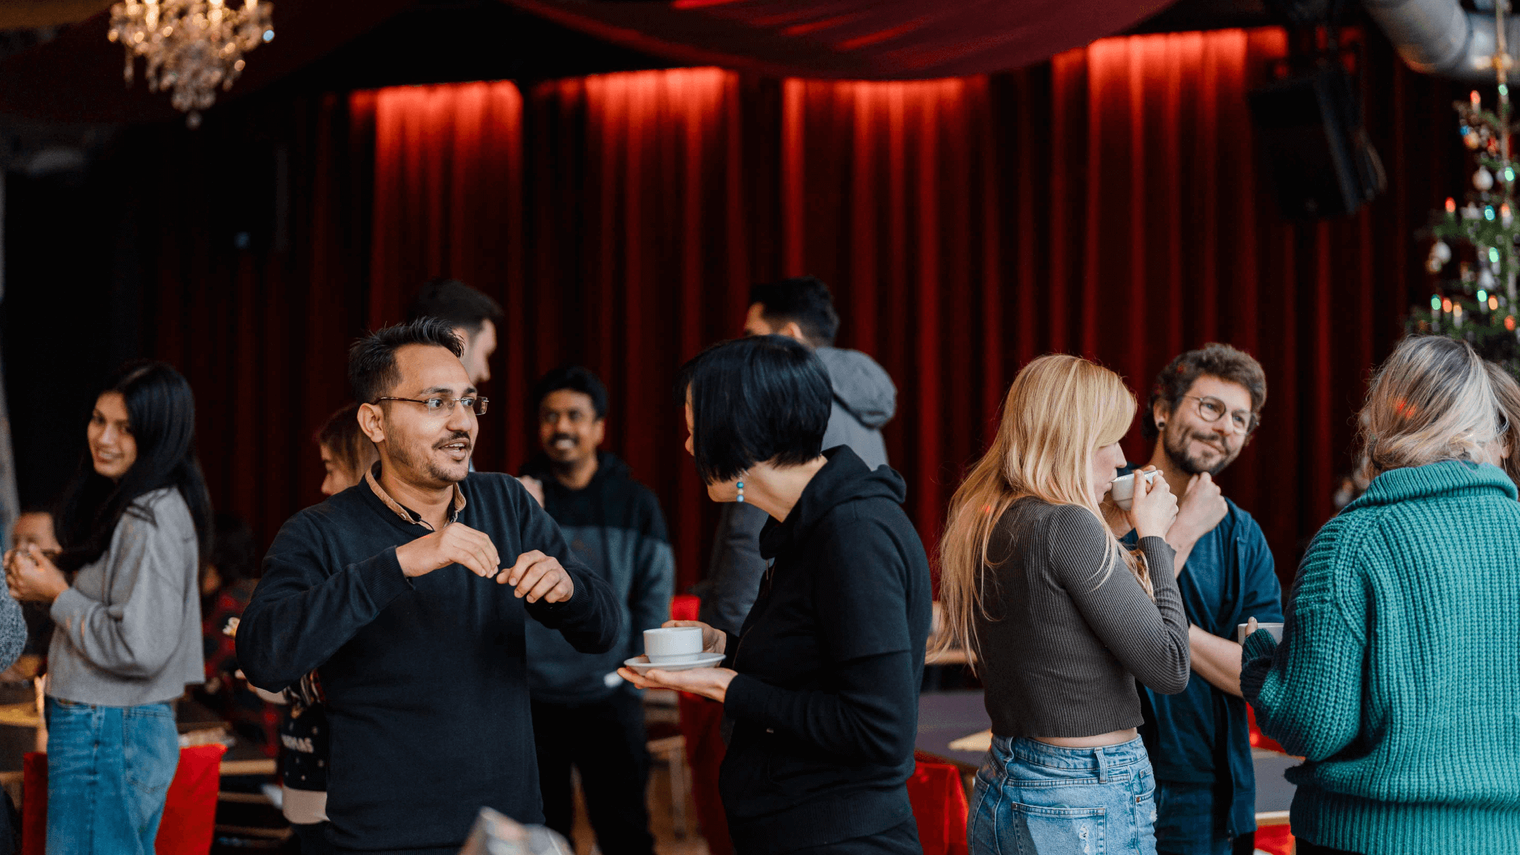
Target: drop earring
pixel 740 485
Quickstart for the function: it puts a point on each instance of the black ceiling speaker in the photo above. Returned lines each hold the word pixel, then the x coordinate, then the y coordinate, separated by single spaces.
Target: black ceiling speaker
pixel 1309 130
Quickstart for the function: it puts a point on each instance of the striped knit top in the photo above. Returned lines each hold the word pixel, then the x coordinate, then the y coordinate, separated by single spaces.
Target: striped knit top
pixel 1398 677
pixel 1062 641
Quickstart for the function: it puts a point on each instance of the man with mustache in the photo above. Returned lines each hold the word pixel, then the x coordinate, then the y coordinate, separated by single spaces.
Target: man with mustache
pixel 584 715
pixel 1203 410
pixel 409 596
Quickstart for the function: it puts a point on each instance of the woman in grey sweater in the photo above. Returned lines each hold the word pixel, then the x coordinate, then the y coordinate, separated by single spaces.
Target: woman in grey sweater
pixel 1063 620
pixel 135 527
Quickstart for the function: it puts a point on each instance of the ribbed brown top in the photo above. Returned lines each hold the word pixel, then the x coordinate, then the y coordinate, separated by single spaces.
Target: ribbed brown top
pixel 1061 646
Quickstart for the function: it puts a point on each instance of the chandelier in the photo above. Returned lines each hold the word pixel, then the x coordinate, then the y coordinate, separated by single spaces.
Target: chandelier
pixel 189 46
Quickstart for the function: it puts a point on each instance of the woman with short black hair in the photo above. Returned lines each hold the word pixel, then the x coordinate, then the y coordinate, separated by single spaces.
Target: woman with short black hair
pixel 136 526
pixel 822 682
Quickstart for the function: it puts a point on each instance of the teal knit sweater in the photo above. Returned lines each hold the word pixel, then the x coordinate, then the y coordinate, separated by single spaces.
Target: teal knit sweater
pixel 1398 677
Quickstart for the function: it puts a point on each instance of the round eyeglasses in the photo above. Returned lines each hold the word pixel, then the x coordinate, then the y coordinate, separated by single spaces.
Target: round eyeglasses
pixel 1212 410
pixel 442 405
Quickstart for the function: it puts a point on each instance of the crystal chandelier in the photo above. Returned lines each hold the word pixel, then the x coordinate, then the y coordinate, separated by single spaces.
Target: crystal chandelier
pixel 189 46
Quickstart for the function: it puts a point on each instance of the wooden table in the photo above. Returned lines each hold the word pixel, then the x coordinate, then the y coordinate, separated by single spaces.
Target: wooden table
pixel 944 717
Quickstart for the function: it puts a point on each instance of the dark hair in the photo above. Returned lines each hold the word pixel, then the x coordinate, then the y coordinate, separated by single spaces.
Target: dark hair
pixel 233 550
pixel 804 299
pixel 1211 360
pixel 576 379
pixel 455 302
pixel 341 436
pixel 161 412
pixel 372 370
pixel 753 400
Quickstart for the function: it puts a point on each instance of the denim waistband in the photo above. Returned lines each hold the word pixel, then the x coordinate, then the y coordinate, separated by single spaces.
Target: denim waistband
pixel 1097 759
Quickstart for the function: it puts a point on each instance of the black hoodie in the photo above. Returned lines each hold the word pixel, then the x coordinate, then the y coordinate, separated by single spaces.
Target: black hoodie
pixel 615 526
pixel 825 706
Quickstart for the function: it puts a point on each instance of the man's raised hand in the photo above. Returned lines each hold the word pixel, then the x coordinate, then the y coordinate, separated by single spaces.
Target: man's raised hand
pixel 455 543
pixel 537 576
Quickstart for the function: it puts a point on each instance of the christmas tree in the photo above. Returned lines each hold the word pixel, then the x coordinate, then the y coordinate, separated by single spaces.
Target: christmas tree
pixel 1480 304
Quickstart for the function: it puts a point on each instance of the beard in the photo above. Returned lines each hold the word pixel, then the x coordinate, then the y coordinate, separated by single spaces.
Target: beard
pixel 1176 447
pixel 424 464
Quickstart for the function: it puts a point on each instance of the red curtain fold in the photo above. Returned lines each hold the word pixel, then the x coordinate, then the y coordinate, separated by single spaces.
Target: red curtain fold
pixel 849 39
pixel 1109 203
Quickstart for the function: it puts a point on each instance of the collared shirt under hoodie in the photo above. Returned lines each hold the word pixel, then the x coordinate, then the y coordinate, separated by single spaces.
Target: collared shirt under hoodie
pixel 425 678
pixel 825 704
pixel 614 525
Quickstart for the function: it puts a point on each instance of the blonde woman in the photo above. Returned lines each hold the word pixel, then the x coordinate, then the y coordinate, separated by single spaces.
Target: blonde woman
pixel 1507 397
pixel 1395 678
pixel 1063 620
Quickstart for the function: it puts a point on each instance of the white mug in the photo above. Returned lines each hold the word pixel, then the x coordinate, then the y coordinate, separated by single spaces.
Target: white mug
pixel 668 645
pixel 1122 491
pixel 1274 628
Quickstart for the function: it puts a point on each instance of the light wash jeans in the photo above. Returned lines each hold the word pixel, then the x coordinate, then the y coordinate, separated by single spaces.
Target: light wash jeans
pixel 1038 799
pixel 109 770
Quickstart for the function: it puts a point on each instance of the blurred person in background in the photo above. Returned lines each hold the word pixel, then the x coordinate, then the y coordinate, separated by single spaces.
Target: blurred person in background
pixel 584 715
pixel 136 527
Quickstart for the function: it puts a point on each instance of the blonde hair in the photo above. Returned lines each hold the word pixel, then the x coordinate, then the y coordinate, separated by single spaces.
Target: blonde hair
pixel 1432 400
pixel 1507 398
pixel 1058 411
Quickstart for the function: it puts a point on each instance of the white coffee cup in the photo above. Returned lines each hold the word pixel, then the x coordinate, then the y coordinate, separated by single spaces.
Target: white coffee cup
pixel 1122 491
pixel 669 645
pixel 1274 628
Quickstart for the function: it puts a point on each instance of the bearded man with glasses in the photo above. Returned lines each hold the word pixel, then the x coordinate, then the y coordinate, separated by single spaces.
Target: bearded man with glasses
pixel 408 594
pixel 1203 410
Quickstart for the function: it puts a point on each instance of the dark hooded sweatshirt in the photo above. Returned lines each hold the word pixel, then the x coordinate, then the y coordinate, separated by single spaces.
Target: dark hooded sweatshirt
pixel 864 400
pixel 615 528
pixel 825 704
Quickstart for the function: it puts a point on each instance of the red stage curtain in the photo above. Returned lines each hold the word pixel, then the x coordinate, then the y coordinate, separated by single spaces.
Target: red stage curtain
pixel 1109 202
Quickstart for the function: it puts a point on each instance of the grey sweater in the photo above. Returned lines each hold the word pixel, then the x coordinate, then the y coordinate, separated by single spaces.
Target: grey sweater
pixel 129 629
pixel 1062 643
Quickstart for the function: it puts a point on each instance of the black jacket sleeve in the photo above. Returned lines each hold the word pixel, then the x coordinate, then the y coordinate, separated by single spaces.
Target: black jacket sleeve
pixel 590 620
pixel 299 615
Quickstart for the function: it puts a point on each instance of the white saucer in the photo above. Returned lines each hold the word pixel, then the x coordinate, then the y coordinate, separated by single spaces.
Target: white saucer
pixel 640 664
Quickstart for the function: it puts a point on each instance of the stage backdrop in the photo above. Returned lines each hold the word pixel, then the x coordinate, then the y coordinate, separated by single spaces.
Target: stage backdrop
pixel 1109 203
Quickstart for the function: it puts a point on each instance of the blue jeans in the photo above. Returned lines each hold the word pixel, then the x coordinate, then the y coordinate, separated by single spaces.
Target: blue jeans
pixel 1038 799
pixel 1188 821
pixel 109 770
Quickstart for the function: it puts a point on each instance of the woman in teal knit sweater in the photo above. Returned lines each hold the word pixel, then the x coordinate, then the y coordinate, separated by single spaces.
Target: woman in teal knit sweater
pixel 1397 675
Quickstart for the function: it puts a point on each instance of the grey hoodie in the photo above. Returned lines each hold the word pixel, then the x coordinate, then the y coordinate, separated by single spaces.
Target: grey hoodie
pixel 864 399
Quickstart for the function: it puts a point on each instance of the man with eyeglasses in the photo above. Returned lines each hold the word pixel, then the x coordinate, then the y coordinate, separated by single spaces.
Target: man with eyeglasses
pixel 409 595
pixel 1203 410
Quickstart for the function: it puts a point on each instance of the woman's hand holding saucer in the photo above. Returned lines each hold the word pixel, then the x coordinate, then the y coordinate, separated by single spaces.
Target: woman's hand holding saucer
pixel 711 683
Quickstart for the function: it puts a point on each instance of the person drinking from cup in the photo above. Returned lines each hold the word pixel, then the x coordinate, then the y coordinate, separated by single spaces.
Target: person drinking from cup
pixel 1395 677
pixel 821 684
pixel 1061 619
pixel 135 527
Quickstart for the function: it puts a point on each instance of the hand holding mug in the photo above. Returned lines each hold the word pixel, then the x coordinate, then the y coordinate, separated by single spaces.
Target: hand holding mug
pixel 31 576
pixel 713 641
pixel 1153 508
